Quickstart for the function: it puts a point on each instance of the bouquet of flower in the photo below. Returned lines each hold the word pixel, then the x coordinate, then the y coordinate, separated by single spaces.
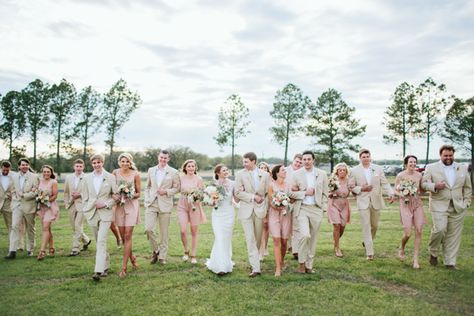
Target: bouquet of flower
pixel 213 194
pixel 194 195
pixel 126 191
pixel 279 199
pixel 333 183
pixel 42 197
pixel 407 188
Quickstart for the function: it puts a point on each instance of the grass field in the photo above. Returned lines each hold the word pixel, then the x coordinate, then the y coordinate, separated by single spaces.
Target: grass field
pixel 386 286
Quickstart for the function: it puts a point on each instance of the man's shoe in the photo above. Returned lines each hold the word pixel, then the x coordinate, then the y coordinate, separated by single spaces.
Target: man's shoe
pixel 11 255
pixel 85 246
pixel 105 273
pixel 74 253
pixel 30 254
pixel 154 257
pixel 363 244
pixel 295 256
pixel 162 261
pixel 96 276
pixel 433 260
pixel 254 274
pixel 309 271
pixel 370 257
pixel 451 267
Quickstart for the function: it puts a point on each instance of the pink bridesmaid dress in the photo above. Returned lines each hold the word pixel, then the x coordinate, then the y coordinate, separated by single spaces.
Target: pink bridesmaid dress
pixel 279 224
pixel 411 208
pixel 51 213
pixel 184 208
pixel 128 214
pixel 338 206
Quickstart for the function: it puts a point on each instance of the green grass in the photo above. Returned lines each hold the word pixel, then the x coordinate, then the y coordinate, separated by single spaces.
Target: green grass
pixel 386 286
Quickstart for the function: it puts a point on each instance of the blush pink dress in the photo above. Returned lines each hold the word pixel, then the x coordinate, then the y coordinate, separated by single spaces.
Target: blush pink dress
pixel 185 209
pixel 279 224
pixel 51 213
pixel 339 211
pixel 128 214
pixel 411 208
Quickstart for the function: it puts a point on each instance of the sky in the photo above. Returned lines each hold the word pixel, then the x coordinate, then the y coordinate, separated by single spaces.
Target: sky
pixel 184 58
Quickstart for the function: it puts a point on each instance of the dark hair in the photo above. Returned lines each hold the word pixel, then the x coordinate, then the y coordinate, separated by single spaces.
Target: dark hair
pixel 187 162
pixel 308 152
pixel 299 156
pixel 79 161
pixel 53 176
pixel 364 151
pixel 165 152
pixel 23 160
pixel 446 147
pixel 251 156
pixel 217 170
pixel 405 160
pixel 275 171
pixel 6 164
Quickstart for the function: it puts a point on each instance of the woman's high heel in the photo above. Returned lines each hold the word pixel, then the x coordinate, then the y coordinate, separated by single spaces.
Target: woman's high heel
pixel 133 259
pixel 51 252
pixel 41 255
pixel 123 273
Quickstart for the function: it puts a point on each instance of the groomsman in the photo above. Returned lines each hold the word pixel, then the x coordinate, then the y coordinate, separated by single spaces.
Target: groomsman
pixel 7 190
pixel 450 189
pixel 162 184
pixel 73 203
pixel 290 170
pixel 368 181
pixel 251 184
pixel 98 189
pixel 24 207
pixel 311 192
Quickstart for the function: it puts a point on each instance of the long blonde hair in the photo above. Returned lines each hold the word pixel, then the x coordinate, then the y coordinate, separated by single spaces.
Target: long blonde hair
pixel 129 158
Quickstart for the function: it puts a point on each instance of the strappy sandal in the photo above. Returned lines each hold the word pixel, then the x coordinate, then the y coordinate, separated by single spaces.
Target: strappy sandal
pixel 185 258
pixel 123 273
pixel 51 252
pixel 41 255
pixel 133 259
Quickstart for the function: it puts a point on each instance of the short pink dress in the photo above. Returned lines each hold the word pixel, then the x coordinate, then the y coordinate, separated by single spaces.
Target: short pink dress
pixel 51 213
pixel 185 211
pixel 411 208
pixel 279 225
pixel 129 214
pixel 339 211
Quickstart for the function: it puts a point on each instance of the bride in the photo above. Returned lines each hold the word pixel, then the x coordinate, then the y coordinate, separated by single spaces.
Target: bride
pixel 222 224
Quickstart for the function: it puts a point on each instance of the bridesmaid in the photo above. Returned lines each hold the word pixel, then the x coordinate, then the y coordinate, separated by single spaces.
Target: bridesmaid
pixel 48 213
pixel 190 181
pixel 128 215
pixel 279 222
pixel 339 212
pixel 266 233
pixel 411 209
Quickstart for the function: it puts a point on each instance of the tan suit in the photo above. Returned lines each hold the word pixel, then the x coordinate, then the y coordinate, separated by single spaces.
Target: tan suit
pixel 250 213
pixel 99 219
pixel 24 207
pixel 448 208
pixel 309 216
pixel 75 208
pixel 295 233
pixel 369 203
pixel 6 197
pixel 158 207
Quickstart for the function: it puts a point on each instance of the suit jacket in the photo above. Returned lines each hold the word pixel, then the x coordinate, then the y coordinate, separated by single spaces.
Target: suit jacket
pixel 27 202
pixel 459 193
pixel 320 188
pixel 90 197
pixel 69 188
pixel 170 183
pixel 379 184
pixel 7 195
pixel 246 190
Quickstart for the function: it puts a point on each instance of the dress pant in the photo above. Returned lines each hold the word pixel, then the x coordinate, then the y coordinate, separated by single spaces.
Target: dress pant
pixel 369 220
pixel 309 221
pixel 253 229
pixel 18 216
pixel 7 217
pixel 295 234
pixel 76 219
pixel 446 232
pixel 100 229
pixel 152 216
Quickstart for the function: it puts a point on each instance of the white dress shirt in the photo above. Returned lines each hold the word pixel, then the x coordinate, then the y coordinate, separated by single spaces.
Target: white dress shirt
pixel 255 178
pixel 450 173
pixel 77 178
pixel 22 178
pixel 368 175
pixel 160 175
pixel 5 182
pixel 311 181
pixel 98 179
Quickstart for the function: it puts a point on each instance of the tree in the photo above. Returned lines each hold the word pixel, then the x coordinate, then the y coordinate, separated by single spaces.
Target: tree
pixel 89 103
pixel 232 124
pixel 62 106
pixel 431 101
pixel 35 101
pixel 119 103
pixel 13 120
pixel 403 117
pixel 459 126
pixel 289 110
pixel 332 125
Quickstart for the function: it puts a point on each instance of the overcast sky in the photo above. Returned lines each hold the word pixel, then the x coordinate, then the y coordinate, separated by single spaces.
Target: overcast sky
pixel 186 57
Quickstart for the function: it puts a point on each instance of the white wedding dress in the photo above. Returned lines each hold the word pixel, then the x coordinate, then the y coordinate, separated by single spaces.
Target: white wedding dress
pixel 223 225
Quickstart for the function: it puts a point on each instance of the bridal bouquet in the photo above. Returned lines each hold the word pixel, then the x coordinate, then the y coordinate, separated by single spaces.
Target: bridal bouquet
pixel 42 197
pixel 279 199
pixel 194 195
pixel 333 183
pixel 126 191
pixel 213 194
pixel 407 188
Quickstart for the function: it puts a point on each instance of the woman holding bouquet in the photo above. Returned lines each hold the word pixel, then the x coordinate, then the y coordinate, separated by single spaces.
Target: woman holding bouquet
pixel 127 209
pixel 339 213
pixel 223 218
pixel 279 221
pixel 48 209
pixel 408 187
pixel 189 207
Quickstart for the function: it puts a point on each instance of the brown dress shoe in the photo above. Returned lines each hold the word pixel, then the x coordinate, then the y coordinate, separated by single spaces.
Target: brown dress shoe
pixel 154 257
pixel 254 274
pixel 433 260
pixel 451 267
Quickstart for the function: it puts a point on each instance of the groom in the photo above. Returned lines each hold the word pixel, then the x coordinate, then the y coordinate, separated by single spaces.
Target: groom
pixel 251 184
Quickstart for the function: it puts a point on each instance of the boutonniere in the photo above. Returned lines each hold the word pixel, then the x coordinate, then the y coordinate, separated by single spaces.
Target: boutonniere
pixel 457 168
pixel 259 176
pixel 372 169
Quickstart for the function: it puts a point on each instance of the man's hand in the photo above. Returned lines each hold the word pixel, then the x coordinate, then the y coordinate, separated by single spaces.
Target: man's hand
pixel 162 191
pixel 366 188
pixel 75 195
pixel 309 191
pixel 258 198
pixel 100 204
pixel 440 185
